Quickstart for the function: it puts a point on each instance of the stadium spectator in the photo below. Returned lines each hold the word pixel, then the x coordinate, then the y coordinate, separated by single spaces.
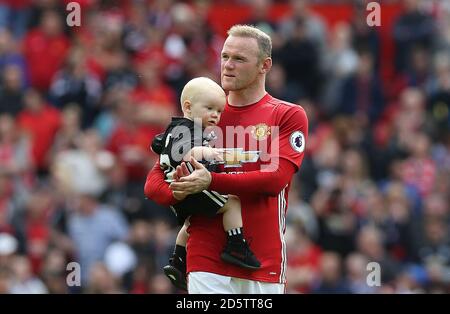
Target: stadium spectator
pixel 260 16
pixel 340 62
pixel 15 159
pixel 129 141
pixel 314 24
pixel 303 258
pixel 356 274
pixel 10 55
pixel 40 122
pixel 102 281
pixel 45 49
pixel 364 37
pixel 370 244
pixel 361 94
pixel 23 280
pixel 279 86
pixel 413 28
pixel 300 52
pixel 11 92
pixel 75 84
pixel 15 15
pixel 68 136
pixel 331 280
pixel 92 226
pixel 438 103
pixel 53 271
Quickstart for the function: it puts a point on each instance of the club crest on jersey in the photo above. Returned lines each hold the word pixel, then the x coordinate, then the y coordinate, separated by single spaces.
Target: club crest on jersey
pixel 297 141
pixel 260 131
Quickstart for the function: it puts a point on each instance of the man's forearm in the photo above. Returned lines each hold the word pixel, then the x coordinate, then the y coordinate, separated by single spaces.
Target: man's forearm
pixel 254 182
pixel 157 189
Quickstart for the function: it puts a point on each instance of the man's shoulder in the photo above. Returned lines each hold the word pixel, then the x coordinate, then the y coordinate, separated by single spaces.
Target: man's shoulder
pixel 284 106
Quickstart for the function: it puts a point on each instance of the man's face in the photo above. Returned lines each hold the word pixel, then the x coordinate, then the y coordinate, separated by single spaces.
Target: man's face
pixel 240 66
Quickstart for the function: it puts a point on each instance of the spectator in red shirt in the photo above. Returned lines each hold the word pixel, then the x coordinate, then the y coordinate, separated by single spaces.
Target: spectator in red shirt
pixel 41 122
pixel 130 142
pixel 154 100
pixel 45 50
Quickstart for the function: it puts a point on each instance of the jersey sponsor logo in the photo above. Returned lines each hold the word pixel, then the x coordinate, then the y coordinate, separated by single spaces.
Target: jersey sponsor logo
pixel 235 157
pixel 297 141
pixel 260 131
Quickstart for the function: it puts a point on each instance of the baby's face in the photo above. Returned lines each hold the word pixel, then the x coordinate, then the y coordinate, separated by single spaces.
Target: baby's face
pixel 208 108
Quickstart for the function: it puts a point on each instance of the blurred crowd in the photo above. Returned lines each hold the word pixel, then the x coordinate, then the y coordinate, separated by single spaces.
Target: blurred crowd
pixel 79 107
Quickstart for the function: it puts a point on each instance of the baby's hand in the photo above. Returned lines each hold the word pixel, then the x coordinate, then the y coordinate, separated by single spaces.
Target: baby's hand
pixel 216 154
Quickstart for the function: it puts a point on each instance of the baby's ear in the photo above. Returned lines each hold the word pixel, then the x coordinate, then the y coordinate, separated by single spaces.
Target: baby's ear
pixel 186 106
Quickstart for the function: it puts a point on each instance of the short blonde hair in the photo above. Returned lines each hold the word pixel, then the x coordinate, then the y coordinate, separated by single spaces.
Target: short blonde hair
pixel 264 41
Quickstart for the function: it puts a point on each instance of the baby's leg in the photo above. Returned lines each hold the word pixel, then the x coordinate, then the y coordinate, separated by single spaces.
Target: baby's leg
pixel 176 270
pixel 232 217
pixel 236 250
pixel 182 236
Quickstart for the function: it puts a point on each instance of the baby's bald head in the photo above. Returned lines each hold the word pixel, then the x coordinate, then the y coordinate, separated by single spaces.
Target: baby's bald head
pixel 199 87
pixel 202 92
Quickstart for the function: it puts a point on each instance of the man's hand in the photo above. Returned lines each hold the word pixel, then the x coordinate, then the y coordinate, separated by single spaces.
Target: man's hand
pixel 181 171
pixel 179 196
pixel 195 182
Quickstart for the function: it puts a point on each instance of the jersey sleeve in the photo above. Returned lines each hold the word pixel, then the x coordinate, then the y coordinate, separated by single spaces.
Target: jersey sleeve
pixel 254 182
pixel 157 189
pixel 293 135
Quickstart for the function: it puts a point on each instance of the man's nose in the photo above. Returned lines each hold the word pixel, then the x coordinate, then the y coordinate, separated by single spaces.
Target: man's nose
pixel 229 64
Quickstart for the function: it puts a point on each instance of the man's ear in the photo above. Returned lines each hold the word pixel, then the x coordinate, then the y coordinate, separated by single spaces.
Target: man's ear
pixel 187 106
pixel 266 66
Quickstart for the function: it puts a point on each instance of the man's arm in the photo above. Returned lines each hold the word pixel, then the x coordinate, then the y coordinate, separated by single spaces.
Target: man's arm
pixel 292 140
pixel 253 182
pixel 157 189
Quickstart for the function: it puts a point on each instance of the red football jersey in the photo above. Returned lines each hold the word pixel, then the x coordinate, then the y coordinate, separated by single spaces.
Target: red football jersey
pixel 278 130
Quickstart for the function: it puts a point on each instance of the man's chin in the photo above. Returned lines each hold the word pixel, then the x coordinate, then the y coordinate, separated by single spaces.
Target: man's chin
pixel 228 87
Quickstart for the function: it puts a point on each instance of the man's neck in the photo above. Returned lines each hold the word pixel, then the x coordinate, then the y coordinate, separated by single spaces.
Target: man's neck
pixel 245 97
